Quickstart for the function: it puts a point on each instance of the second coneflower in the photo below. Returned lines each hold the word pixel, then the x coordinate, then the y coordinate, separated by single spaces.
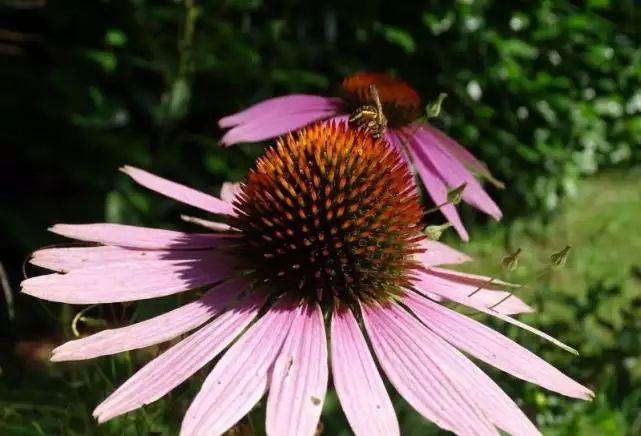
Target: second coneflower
pixel 324 247
pixel 441 162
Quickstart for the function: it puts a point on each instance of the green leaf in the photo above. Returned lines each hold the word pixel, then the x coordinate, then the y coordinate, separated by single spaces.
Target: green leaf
pixel 115 37
pixel 175 101
pixel 107 60
pixel 400 37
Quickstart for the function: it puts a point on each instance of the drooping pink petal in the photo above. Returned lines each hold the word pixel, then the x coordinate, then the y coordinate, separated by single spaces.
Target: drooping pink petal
pixel 179 192
pixel 286 105
pixel 228 191
pixel 239 379
pixel 177 364
pixel 487 291
pixel 154 330
pixel 493 348
pixel 485 393
pixel 358 384
pixel 458 151
pixel 510 306
pixel 437 253
pixel 458 293
pixel 437 188
pixel 138 237
pixel 274 125
pixel 119 282
pixel 500 302
pixel 65 259
pixel 397 139
pixel 472 279
pixel 416 371
pixel 299 378
pixel 453 172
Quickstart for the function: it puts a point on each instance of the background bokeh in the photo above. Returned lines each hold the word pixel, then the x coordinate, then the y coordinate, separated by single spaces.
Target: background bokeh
pixel 546 92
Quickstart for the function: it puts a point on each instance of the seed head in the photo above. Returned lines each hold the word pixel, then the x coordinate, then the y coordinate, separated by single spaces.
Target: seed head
pixel 330 214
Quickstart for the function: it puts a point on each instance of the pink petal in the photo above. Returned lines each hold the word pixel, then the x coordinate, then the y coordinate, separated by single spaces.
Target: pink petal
pixel 486 291
pixel 472 279
pixel 506 306
pixel 458 293
pixel 299 377
pixel 179 192
pixel 437 253
pixel 433 297
pixel 415 368
pixel 493 348
pixel 211 225
pixel 453 172
pixel 485 393
pixel 437 188
pixel 398 140
pixel 394 139
pixel 358 384
pixel 272 126
pixel 154 330
pixel 177 364
pixel 229 191
pixel 118 282
pixel 138 237
pixel 65 259
pixel 286 105
pixel 239 379
pixel 458 151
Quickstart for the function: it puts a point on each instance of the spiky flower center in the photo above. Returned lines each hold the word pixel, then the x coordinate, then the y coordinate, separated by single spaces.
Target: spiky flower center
pixel 401 103
pixel 330 215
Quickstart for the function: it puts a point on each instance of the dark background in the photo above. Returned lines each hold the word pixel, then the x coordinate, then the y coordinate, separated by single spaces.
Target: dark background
pixel 90 86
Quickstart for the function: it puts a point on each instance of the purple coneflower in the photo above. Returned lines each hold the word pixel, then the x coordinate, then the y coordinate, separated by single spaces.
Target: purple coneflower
pixel 324 247
pixel 441 162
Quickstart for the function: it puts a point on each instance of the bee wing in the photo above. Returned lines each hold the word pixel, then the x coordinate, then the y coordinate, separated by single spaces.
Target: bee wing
pixel 376 97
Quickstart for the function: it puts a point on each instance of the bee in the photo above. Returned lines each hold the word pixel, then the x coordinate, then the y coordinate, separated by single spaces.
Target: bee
pixel 371 117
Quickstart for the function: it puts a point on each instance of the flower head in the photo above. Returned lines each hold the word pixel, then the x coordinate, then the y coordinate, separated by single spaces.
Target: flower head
pixel 440 162
pixel 323 237
pixel 330 216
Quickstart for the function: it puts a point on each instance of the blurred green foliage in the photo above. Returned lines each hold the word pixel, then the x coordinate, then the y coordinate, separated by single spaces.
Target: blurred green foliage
pixel 592 303
pixel 544 91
